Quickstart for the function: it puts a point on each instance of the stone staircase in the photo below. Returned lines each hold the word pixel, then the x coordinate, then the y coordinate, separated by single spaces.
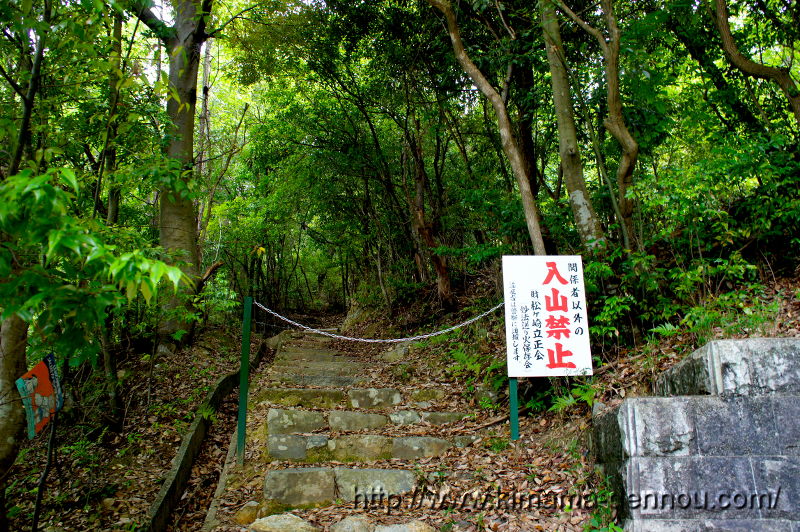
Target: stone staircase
pixel 718 449
pixel 329 437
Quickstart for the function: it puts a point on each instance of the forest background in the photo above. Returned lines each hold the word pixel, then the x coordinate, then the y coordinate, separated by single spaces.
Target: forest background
pixel 161 162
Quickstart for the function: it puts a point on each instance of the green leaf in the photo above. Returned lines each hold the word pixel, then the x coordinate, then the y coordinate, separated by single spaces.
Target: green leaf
pixel 130 291
pixel 157 271
pixel 68 176
pixel 146 290
pixel 34 301
pixel 175 274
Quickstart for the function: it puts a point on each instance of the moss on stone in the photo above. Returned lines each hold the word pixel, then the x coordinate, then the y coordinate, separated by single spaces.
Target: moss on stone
pixel 319 454
pixel 272 507
pixel 308 399
pixel 426 394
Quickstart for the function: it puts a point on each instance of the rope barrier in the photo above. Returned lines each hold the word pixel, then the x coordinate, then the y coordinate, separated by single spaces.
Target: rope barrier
pixel 378 340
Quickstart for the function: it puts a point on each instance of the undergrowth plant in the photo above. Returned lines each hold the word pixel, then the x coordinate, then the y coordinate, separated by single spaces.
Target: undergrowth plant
pixel 603 518
pixel 578 394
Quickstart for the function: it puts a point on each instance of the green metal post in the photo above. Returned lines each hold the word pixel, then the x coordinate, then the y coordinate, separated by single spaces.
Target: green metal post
pixel 244 379
pixel 514 406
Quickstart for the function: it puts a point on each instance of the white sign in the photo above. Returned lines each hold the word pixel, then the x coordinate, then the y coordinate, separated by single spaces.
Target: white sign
pixel 547 331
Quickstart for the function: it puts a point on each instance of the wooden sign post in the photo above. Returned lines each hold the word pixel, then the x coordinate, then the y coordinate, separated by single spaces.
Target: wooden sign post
pixel 547 331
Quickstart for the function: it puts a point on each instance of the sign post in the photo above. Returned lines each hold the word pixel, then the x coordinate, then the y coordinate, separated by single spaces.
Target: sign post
pixel 514 406
pixel 244 376
pixel 547 331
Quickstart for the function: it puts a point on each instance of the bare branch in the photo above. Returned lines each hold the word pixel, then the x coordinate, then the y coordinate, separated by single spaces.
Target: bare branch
pixel 503 20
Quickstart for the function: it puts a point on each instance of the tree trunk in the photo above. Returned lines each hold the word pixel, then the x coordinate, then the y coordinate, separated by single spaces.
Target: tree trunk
pixel 178 214
pixel 424 228
pixel 13 342
pixel 585 217
pixel 110 156
pixel 28 100
pixel 13 330
pixel 424 225
pixel 615 122
pixel 509 143
pixel 177 223
pixel 525 126
pixel 203 148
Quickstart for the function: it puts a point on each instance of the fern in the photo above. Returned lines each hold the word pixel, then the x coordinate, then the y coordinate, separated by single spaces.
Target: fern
pixel 666 329
pixel 562 403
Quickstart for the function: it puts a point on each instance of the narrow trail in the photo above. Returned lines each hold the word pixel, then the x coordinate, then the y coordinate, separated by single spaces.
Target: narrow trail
pixel 337 432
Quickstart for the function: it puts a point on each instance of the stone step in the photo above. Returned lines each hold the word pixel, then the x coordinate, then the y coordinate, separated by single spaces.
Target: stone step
pixel 374 397
pixel 754 366
pixel 288 421
pixel 715 525
pixel 317 448
pixel 348 421
pixel 308 343
pixel 324 381
pixel 412 417
pixel 315 368
pixel 369 398
pixel 293 346
pixel 303 397
pixel 711 487
pixel 323 485
pixel 315 356
pixel 698 426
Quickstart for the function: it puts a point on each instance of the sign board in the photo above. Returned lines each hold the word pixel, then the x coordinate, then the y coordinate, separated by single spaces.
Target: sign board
pixel 547 332
pixel 41 394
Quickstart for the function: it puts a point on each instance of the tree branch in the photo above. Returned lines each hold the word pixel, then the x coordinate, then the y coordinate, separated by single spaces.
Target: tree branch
pixel 13 84
pixel 142 10
pixel 24 136
pixel 510 31
pixel 749 67
pixel 207 275
pixel 222 26
pixel 591 30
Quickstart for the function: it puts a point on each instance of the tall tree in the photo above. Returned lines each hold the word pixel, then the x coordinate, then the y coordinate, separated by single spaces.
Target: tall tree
pixel 510 144
pixel 586 219
pixel 109 154
pixel 615 121
pixel 178 220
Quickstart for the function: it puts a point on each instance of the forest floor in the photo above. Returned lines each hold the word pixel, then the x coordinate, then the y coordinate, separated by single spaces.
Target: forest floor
pixel 107 481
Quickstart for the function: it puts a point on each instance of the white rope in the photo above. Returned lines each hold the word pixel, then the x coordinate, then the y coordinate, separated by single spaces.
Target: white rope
pixel 377 340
